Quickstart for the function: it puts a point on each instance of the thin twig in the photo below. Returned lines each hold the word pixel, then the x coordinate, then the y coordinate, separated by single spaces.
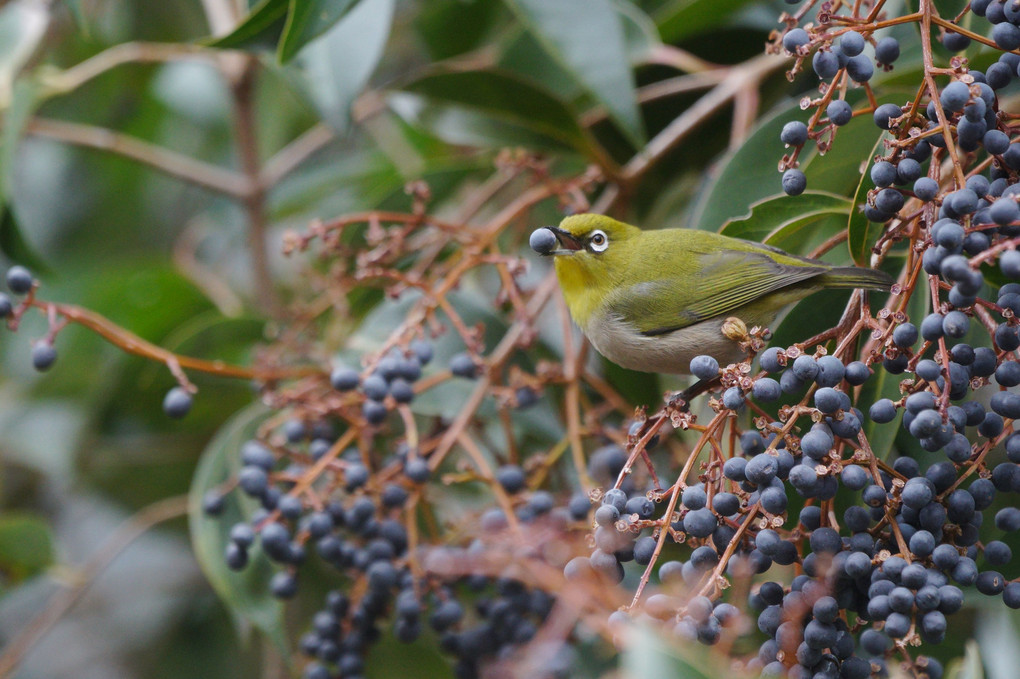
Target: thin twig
pixel 60 603
pixel 170 162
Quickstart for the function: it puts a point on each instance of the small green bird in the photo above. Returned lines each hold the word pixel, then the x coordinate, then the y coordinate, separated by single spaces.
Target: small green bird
pixel 653 300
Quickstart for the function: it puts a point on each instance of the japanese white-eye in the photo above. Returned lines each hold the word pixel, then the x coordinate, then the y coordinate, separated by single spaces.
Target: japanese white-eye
pixel 653 300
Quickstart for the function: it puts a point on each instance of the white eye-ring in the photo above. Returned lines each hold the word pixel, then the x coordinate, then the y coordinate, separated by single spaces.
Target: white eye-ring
pixel 599 241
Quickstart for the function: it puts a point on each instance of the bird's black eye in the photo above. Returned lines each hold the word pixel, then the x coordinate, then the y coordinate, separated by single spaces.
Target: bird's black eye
pixel 598 241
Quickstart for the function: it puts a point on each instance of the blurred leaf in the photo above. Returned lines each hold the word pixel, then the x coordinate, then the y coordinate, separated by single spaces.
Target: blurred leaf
pixel 902 442
pixel 810 316
pixel 647 654
pixel 777 213
pixel 741 178
pixel 640 32
pixel 24 101
pixel 245 593
pixel 448 397
pixel 568 29
pixel 509 98
pixel 460 126
pixel 336 66
pixel 683 18
pixel 856 144
pixel 474 21
pixel 260 30
pixel 306 21
pixel 996 634
pixel 882 384
pixel 968 667
pixel 635 387
pixel 78 13
pixel 523 54
pixel 862 234
pixel 26 546
pixel 950 8
pixel 14 245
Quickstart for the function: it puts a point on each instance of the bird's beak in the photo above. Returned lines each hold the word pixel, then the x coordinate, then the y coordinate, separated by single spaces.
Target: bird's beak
pixel 552 240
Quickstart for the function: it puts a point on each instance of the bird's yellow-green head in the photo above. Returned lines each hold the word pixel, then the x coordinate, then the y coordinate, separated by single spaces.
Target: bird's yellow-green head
pixel 593 255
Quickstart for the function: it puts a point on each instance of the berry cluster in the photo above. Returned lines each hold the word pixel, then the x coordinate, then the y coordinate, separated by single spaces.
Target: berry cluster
pixel 875 579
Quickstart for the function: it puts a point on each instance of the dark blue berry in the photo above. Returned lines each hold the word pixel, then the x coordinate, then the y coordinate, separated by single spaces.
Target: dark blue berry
pixel 19 280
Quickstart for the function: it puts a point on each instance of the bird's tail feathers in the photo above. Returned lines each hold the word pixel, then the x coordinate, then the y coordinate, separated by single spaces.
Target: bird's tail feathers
pixel 857 277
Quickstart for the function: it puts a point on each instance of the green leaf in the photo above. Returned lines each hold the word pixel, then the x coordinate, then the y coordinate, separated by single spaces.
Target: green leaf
pixel 996 633
pixel 647 654
pixel 26 546
pixel 25 99
pixel 78 13
pixel 336 66
pixel 742 178
pixel 587 38
pixel 639 31
pixel 862 234
pixel 968 667
pixel 684 18
pixel 260 30
pixel 14 245
pixel 810 316
pixel 474 21
pixel 245 593
pixel 509 98
pixel 882 384
pixel 306 21
pixel 778 213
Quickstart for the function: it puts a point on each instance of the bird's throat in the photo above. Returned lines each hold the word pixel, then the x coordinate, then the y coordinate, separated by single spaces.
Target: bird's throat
pixel 581 291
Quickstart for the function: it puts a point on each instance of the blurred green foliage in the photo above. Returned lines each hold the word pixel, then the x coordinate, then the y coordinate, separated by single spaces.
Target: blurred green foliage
pixel 382 93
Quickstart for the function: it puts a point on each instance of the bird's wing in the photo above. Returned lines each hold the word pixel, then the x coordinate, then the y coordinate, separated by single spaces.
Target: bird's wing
pixel 725 282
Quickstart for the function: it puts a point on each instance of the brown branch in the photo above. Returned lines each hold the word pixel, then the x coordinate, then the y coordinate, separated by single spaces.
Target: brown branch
pixel 737 80
pixel 254 201
pixel 60 603
pixel 133 344
pixel 293 154
pixel 182 167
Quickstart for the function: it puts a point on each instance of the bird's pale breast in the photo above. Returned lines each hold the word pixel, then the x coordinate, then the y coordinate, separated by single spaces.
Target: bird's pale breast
pixel 618 341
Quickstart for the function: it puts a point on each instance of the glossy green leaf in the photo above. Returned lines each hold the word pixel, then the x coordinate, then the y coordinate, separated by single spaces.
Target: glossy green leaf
pixel 245 593
pixel 335 67
pixel 509 98
pixel 862 234
pixel 681 19
pixel 775 214
pixel 260 30
pixel 26 546
pixel 306 21
pixel 566 28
